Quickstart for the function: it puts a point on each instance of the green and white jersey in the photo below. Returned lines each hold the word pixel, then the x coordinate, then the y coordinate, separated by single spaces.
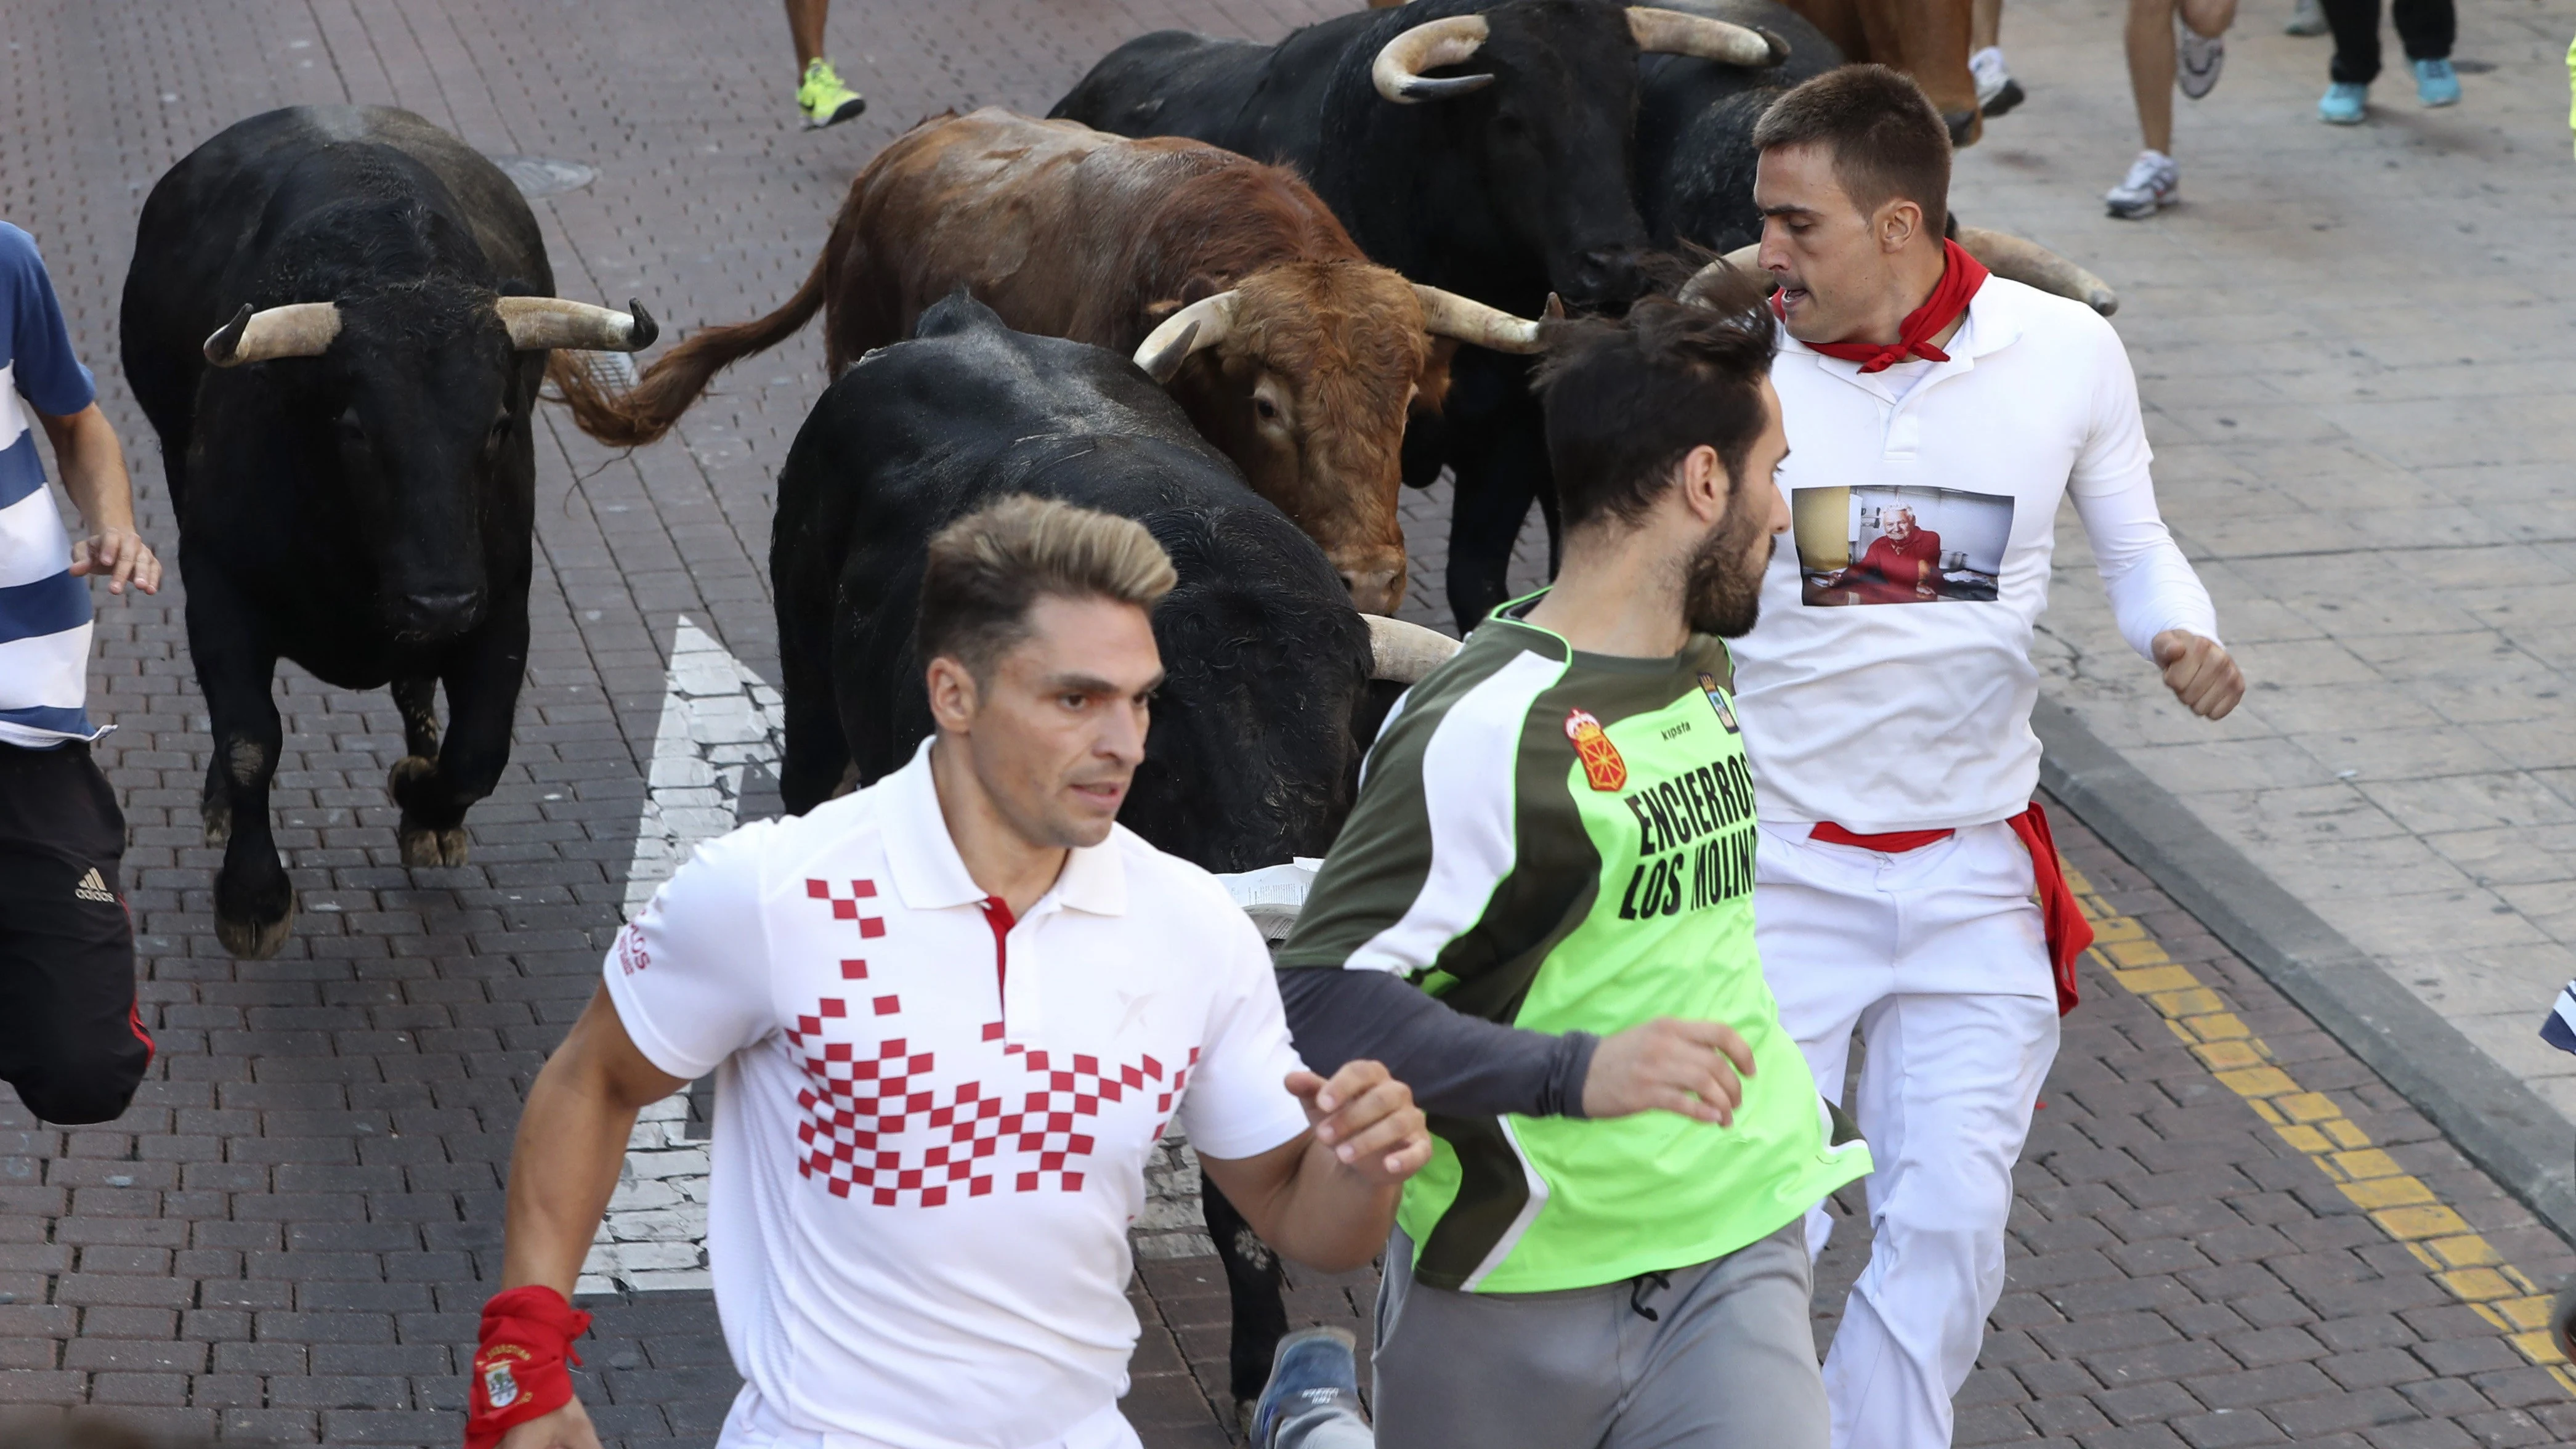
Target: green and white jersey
pixel 1564 842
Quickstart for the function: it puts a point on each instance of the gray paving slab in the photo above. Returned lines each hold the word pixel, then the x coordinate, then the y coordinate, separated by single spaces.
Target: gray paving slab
pixel 2348 342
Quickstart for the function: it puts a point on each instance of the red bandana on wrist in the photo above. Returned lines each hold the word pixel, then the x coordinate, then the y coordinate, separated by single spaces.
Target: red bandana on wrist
pixel 519 1371
pixel 1961 276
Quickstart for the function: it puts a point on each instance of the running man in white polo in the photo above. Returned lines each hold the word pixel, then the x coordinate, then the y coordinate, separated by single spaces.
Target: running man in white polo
pixel 949 1015
pixel 1938 417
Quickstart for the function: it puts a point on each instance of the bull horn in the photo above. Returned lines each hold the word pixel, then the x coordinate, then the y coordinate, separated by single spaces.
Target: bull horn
pixel 1398 70
pixel 2033 265
pixel 1671 32
pixel 299 329
pixel 536 323
pixel 1203 323
pixel 1402 652
pixel 1746 259
pixel 1446 314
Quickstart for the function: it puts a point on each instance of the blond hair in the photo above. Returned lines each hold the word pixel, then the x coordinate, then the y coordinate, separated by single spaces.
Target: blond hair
pixel 986 570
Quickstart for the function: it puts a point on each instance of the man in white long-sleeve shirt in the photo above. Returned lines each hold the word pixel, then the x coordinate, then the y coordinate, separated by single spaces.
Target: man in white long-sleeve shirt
pixel 1891 746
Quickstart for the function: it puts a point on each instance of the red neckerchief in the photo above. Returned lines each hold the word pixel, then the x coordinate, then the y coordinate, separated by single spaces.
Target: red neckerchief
pixel 1961 276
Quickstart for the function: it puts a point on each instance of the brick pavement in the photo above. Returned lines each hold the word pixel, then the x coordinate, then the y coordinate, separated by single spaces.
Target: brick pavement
pixel 288 1235
pixel 2349 341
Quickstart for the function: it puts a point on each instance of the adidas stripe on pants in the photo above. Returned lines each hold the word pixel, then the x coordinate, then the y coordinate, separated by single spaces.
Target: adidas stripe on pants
pixel 70 1039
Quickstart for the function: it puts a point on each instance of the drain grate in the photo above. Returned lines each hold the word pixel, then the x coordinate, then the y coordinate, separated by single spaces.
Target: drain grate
pixel 537 176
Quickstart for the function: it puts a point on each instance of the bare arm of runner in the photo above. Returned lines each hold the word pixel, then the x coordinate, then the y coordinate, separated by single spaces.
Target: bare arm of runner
pixel 571 1143
pixel 1327 1198
pixel 93 470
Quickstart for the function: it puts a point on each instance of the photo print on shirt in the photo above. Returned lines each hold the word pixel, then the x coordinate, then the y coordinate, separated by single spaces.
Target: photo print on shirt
pixel 1899 545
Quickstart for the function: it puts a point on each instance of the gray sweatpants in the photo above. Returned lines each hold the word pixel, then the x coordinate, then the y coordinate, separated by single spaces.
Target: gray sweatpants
pixel 1727 1362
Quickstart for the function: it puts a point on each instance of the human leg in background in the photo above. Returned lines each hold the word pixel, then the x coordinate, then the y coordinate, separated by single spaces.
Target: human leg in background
pixel 2166 41
pixel 1997 91
pixel 1946 1094
pixel 2356 60
pixel 819 92
pixel 70 1041
pixel 2427 28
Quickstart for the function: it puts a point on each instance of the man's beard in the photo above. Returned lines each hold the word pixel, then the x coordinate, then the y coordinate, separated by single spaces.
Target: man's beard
pixel 1722 594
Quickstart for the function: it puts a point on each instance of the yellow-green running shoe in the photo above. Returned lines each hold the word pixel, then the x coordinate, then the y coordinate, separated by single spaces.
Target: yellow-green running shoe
pixel 824 100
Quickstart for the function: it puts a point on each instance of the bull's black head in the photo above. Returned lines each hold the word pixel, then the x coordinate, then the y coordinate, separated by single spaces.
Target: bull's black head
pixel 1249 758
pixel 1547 141
pixel 420 406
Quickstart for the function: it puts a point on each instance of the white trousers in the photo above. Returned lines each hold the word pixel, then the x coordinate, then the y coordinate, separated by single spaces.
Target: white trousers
pixel 1938 958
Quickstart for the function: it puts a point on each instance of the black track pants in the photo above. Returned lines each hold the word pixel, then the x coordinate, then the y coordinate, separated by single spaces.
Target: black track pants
pixel 70 1039
pixel 2426 27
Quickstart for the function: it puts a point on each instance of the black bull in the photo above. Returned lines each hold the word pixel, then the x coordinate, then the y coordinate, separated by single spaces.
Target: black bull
pixel 1256 732
pixel 351 456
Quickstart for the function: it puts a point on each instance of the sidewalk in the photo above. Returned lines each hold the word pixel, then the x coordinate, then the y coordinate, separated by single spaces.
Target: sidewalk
pixel 2353 346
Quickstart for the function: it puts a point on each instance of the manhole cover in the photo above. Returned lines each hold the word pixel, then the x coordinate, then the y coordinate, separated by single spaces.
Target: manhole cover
pixel 537 176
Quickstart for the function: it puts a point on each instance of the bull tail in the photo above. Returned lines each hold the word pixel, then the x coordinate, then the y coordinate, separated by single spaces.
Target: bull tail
pixel 646 411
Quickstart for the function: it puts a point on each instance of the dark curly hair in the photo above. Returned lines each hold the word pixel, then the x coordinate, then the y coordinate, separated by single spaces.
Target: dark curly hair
pixel 1627 400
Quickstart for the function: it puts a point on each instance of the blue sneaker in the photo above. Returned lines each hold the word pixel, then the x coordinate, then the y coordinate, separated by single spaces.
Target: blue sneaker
pixel 2342 105
pixel 1314 1369
pixel 2436 84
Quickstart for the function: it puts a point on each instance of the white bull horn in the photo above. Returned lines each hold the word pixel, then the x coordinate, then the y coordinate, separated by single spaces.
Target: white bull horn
pixel 1398 70
pixel 541 322
pixel 1403 652
pixel 1446 314
pixel 2033 265
pixel 1203 323
pixel 1671 32
pixel 299 329
pixel 1745 259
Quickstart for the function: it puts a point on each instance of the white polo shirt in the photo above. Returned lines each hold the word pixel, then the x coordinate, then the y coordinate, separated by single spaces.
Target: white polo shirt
pixel 930 1135
pixel 1889 683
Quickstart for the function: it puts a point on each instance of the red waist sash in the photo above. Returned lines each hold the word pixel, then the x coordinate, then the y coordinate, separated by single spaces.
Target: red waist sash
pixel 2060 917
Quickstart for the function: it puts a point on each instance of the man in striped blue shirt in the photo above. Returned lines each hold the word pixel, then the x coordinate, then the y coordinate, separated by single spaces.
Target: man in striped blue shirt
pixel 71 1040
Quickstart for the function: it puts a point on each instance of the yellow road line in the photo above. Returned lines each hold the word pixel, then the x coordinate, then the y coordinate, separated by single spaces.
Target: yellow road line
pixel 2402 1206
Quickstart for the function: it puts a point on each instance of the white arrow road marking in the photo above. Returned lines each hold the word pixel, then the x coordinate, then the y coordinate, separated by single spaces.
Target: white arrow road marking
pixel 719 720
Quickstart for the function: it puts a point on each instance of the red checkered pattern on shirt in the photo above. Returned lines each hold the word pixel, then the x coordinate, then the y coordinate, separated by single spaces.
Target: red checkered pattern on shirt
pixel 885 1122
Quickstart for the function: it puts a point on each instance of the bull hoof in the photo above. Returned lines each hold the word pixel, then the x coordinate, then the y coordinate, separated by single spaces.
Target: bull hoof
pixel 423 848
pixel 249 939
pixel 406 771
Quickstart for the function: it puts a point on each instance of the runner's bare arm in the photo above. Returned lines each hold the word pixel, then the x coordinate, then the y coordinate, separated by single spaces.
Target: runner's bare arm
pixel 1327 1198
pixel 571 1143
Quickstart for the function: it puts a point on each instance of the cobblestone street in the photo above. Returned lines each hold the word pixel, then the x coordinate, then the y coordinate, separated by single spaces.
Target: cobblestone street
pixel 2231 1229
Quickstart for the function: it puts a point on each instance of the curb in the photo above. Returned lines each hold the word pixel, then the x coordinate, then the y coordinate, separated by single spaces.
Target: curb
pixel 2500 1124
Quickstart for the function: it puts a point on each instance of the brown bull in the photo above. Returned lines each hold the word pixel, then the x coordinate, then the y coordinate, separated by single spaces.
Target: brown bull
pixel 1289 350
pixel 1926 39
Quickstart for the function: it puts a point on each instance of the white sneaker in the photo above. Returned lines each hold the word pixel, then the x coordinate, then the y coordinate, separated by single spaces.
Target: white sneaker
pixel 2308 19
pixel 2197 58
pixel 2153 182
pixel 1997 91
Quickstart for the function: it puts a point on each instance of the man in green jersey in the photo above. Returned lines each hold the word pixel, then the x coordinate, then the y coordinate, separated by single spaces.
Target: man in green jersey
pixel 1540 916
